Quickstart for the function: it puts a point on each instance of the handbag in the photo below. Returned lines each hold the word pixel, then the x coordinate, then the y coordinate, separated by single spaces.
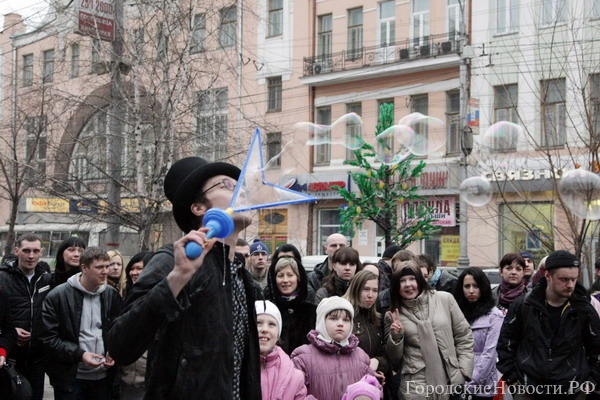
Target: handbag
pixel 17 386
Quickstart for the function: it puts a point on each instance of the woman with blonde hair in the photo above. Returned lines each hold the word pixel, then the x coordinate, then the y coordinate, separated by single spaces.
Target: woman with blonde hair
pixel 116 271
pixel 368 325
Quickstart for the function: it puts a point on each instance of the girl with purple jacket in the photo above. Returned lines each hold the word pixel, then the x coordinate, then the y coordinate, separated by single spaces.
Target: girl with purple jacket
pixel 332 360
pixel 473 294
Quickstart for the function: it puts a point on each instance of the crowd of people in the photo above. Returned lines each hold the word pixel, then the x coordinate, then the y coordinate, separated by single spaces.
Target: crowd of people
pixel 241 323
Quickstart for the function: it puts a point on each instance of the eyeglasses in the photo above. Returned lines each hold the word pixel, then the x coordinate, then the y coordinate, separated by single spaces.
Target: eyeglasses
pixel 227 184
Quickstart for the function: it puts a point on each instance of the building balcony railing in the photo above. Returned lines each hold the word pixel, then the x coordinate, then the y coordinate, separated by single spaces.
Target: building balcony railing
pixel 399 52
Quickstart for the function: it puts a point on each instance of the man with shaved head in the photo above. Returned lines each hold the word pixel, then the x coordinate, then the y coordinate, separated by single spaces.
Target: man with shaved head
pixel 321 271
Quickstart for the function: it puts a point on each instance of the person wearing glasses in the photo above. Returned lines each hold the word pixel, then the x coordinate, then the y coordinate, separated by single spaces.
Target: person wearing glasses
pixel 242 247
pixel 197 316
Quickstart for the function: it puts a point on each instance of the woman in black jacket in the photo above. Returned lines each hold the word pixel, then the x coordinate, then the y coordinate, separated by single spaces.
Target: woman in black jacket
pixel 287 287
pixel 67 259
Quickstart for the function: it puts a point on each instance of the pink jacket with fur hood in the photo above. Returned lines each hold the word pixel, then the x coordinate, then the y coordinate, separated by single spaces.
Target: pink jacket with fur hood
pixel 329 368
pixel 279 379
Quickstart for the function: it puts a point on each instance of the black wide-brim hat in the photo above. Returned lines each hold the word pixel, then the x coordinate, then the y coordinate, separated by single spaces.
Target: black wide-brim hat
pixel 185 179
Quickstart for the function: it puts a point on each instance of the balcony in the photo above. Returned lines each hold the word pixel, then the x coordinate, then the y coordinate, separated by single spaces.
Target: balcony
pixel 410 55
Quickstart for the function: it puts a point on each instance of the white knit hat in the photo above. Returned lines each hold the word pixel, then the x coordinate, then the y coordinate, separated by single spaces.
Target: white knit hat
pixel 266 307
pixel 326 306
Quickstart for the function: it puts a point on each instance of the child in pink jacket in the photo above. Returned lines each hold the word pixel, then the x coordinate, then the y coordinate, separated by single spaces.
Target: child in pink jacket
pixel 279 379
pixel 332 360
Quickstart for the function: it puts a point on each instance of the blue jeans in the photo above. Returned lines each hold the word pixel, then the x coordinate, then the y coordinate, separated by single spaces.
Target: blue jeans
pixel 85 390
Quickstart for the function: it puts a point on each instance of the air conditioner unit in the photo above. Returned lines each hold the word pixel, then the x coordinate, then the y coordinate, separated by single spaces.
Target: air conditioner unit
pixel 446 47
pixel 424 50
pixel 404 54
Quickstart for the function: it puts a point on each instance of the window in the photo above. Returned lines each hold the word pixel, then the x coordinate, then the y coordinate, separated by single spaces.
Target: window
pixel 595 11
pixel 274 147
pixel 211 123
pixel 275 17
pixel 420 21
pixel 35 150
pixel 553 12
pixel 227 28
pixel 353 130
pixel 324 48
pixel 28 70
pixel 387 23
pixel 505 109
pixel 355 33
pixel 507 18
pixel 48 66
pixel 595 105
pixel 454 18
pixel 97 67
pixel 274 90
pixel 531 235
pixel 420 104
pixel 323 151
pixel 161 48
pixel 553 113
pixel 198 33
pixel 453 122
pixel 138 37
pixel 74 60
pixel 505 103
pixel 329 223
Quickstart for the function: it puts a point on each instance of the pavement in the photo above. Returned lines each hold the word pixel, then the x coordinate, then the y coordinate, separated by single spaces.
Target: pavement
pixel 48 391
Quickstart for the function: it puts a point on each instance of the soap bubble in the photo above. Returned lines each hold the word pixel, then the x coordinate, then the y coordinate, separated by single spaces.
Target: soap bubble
pixel 345 131
pixel 392 145
pixel 580 191
pixel 429 134
pixel 477 191
pixel 502 136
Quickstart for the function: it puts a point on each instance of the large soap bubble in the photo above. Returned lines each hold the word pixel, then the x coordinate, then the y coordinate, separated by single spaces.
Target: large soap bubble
pixel 477 191
pixel 429 134
pixel 580 191
pixel 345 131
pixel 393 144
pixel 502 136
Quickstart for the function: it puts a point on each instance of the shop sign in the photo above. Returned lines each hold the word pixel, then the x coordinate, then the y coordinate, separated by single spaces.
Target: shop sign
pixel 523 174
pixel 47 205
pixel 317 186
pixel 450 246
pixel 444 209
pixel 96 18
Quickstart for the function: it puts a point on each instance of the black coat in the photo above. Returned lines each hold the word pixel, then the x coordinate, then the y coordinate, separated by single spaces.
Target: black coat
pixel 61 319
pixel 298 315
pixel 530 353
pixel 8 335
pixel 26 300
pixel 190 338
pixel 318 275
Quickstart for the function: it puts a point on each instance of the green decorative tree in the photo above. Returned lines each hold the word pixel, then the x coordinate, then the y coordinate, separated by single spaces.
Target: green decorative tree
pixel 387 194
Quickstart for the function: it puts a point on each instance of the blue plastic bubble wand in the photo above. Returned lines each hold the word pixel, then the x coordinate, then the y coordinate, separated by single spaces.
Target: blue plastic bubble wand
pixel 220 222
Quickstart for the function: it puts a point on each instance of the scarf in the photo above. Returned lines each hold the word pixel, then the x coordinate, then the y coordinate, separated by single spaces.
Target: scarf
pixel 508 293
pixel 435 373
pixel 435 277
pixel 291 297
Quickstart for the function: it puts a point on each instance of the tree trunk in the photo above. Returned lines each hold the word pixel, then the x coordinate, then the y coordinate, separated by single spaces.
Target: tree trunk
pixel 10 235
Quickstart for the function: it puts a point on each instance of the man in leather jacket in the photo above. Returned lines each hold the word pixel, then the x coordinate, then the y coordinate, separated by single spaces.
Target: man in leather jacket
pixel 196 316
pixel 550 339
pixel 320 272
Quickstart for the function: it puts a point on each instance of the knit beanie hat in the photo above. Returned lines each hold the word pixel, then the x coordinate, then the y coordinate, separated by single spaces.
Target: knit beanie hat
pixel 326 306
pixel 258 246
pixel 390 251
pixel 266 307
pixel 561 259
pixel 367 386
pixel 526 254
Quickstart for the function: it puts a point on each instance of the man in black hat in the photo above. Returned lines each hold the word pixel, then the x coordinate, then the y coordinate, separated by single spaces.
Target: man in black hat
pixel 196 317
pixel 550 339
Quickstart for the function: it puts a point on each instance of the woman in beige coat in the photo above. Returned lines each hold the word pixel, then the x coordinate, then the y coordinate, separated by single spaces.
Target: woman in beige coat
pixel 428 335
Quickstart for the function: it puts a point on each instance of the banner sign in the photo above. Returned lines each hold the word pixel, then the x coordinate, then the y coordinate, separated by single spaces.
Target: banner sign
pixel 96 18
